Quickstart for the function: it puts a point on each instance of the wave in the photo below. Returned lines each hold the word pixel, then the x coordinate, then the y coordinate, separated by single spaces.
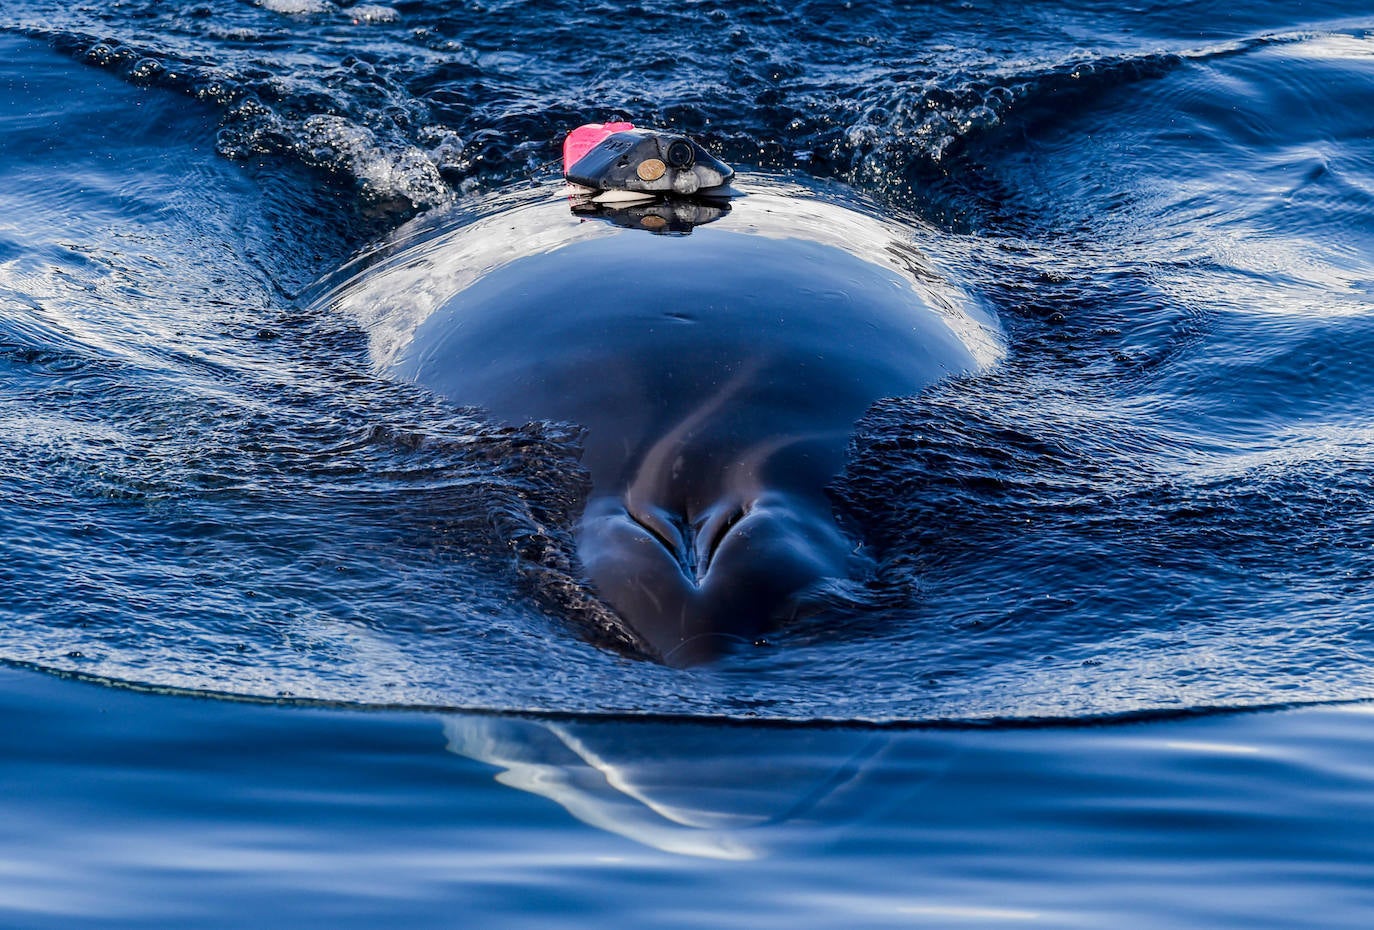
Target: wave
pixel 416 108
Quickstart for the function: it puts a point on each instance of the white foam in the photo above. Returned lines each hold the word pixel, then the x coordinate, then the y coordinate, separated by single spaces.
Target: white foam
pixel 373 13
pixel 297 7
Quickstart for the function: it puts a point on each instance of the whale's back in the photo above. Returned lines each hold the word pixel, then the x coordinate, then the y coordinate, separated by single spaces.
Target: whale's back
pixel 740 344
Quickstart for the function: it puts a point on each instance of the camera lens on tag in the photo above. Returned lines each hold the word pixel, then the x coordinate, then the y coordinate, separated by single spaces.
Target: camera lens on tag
pixel 680 154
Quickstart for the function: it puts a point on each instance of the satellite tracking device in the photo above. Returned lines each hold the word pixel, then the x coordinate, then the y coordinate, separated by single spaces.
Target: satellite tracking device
pixel 620 162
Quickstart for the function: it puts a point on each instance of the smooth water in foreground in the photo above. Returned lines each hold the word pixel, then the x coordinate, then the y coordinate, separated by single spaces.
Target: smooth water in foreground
pixel 142 810
pixel 278 642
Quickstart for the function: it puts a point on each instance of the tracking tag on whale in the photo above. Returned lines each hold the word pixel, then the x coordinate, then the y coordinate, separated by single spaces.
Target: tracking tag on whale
pixel 619 158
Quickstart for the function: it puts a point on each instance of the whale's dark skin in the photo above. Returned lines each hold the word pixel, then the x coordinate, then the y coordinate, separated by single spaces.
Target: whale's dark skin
pixel 718 377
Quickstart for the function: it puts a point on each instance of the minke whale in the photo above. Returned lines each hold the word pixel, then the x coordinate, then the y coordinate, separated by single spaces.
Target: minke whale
pixel 717 370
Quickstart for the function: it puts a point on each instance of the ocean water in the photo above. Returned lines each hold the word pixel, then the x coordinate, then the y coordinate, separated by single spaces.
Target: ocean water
pixel 276 651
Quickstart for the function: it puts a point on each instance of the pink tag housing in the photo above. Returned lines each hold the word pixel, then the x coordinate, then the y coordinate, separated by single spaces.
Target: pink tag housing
pixel 585 138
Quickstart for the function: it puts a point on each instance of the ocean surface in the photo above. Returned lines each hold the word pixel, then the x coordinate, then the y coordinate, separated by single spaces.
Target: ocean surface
pixel 274 650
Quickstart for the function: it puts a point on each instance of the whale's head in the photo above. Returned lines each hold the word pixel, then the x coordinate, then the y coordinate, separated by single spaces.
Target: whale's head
pixel 694 586
pixel 716 378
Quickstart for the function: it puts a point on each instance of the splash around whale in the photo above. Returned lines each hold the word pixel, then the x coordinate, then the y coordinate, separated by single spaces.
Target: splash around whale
pixel 716 370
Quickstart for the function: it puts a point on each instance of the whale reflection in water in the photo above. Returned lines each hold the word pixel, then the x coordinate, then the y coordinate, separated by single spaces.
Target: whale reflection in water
pixel 717 374
pixel 695 789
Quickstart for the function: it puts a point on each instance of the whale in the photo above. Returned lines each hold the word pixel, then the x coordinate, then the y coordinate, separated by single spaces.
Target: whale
pixel 716 371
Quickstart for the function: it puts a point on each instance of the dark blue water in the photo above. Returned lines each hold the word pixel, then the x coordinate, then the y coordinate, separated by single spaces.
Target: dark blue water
pixel 1157 504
